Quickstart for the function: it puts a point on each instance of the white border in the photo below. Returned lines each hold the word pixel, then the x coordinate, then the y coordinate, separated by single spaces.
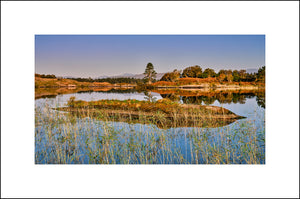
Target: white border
pixel 20 21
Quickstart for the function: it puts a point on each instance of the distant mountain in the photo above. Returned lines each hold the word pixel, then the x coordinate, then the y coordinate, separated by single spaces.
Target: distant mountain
pixel 127 75
pixel 102 77
pixel 130 75
pixel 68 77
pixel 141 76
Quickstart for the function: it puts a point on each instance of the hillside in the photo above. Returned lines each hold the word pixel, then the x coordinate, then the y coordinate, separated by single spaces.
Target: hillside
pixel 58 83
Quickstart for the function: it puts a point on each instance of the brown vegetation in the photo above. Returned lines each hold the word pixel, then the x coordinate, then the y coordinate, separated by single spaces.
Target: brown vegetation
pixel 60 83
pixel 210 82
pixel 164 113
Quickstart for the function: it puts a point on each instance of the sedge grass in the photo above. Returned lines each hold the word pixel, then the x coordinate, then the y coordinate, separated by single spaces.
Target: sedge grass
pixel 65 138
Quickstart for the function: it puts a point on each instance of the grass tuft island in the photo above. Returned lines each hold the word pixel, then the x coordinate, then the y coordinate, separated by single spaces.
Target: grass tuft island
pixel 163 113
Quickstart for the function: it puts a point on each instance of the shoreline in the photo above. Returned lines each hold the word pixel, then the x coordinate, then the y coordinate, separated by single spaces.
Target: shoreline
pixel 194 87
pixel 53 92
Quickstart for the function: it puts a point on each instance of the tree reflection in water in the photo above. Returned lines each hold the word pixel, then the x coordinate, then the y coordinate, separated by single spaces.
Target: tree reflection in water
pixel 221 97
pixel 182 95
pixel 149 97
pixel 260 99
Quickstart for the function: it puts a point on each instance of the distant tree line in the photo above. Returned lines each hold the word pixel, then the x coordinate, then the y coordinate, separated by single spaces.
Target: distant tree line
pixel 113 90
pixel 112 80
pixel 192 71
pixel 222 75
pixel 44 76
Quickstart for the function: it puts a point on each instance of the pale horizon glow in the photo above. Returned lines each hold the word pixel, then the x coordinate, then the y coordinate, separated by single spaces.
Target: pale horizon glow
pixel 110 55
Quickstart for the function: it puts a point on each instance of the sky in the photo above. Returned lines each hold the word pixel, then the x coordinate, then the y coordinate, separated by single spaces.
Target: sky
pixel 100 55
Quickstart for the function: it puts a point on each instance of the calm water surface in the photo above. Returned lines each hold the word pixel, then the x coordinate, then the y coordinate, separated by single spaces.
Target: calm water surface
pixel 138 143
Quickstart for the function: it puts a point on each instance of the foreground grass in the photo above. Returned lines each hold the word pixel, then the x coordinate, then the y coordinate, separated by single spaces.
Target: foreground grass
pixel 65 138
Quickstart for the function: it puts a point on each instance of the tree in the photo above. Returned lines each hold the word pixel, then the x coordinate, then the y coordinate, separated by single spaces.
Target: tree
pixel 242 74
pixel 192 71
pixel 250 77
pixel 208 73
pixel 236 76
pixel 149 73
pixel 261 74
pixel 171 77
pixel 229 77
pixel 221 75
pixel 225 75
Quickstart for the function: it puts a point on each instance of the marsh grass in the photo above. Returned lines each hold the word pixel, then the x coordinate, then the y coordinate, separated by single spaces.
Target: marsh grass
pixel 67 138
pixel 163 113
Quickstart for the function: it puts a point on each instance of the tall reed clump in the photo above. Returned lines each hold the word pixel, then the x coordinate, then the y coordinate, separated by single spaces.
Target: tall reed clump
pixel 65 138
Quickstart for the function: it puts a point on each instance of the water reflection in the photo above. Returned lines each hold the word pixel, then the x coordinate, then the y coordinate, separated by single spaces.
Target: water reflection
pixel 260 99
pixel 62 137
pixel 149 96
pixel 221 97
pixel 185 96
pixel 53 92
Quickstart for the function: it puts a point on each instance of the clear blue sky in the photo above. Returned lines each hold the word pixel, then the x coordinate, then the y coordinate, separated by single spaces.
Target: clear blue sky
pixel 97 55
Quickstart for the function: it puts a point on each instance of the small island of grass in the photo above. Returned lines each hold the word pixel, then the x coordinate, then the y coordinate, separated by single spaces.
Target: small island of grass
pixel 163 113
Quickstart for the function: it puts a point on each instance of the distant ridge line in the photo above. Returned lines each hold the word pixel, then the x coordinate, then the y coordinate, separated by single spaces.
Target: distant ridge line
pixel 141 76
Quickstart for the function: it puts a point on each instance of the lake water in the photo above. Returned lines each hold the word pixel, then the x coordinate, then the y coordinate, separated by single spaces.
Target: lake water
pixel 61 139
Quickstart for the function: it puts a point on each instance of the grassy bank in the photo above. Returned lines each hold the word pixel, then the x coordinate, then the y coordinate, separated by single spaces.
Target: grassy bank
pixel 208 83
pixel 68 83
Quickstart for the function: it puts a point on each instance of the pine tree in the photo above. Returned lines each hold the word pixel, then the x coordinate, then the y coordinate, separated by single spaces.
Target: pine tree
pixel 149 73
